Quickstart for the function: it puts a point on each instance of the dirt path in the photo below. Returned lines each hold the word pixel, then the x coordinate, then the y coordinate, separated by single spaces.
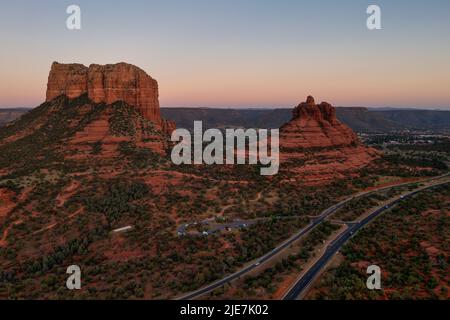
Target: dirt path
pixel 54 224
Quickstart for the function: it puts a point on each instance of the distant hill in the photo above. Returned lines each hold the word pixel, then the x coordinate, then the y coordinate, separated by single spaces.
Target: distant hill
pixel 363 120
pixel 8 115
pixel 417 119
pixel 360 119
pixel 221 118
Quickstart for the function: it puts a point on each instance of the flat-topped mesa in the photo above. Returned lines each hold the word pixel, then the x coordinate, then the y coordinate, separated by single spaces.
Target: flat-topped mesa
pixel 315 126
pixel 108 84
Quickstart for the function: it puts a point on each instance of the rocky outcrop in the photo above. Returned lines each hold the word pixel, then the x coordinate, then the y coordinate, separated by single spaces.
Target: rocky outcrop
pixel 108 84
pixel 315 126
pixel 67 79
pixel 316 148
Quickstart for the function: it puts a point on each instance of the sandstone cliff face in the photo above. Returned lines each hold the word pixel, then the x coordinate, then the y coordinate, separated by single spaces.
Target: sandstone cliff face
pixel 108 84
pixel 68 79
pixel 315 126
pixel 317 148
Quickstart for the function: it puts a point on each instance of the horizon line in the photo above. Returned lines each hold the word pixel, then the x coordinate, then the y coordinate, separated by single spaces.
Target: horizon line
pixel 269 107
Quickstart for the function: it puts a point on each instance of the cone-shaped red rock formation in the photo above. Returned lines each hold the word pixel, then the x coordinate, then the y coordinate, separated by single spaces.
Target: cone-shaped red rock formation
pixel 317 148
pixel 315 126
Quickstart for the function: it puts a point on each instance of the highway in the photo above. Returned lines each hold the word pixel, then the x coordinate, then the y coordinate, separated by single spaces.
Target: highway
pixel 268 256
pixel 301 284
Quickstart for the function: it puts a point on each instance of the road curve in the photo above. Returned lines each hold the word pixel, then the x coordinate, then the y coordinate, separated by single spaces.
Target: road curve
pixel 268 256
pixel 303 283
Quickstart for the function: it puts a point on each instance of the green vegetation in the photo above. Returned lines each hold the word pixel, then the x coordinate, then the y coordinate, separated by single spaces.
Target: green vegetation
pixel 263 237
pixel 140 157
pixel 419 161
pixel 125 120
pixel 357 207
pixel 39 148
pixel 266 282
pixel 97 148
pixel 119 199
pixel 121 122
pixel 412 155
pixel 410 244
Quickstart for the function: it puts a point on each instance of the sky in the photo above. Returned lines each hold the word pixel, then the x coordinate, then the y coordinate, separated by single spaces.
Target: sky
pixel 238 53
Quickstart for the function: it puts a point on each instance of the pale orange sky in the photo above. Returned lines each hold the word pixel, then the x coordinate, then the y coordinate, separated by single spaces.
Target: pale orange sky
pixel 239 53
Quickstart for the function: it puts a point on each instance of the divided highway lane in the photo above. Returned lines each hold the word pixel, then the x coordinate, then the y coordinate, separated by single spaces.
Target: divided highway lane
pixel 267 257
pixel 301 284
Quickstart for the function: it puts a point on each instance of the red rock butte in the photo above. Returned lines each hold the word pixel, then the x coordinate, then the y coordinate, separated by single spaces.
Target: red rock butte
pixel 315 125
pixel 317 148
pixel 108 84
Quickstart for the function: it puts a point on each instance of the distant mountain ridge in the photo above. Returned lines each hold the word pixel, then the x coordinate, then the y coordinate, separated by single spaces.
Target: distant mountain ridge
pixel 360 119
pixel 418 119
pixel 11 114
